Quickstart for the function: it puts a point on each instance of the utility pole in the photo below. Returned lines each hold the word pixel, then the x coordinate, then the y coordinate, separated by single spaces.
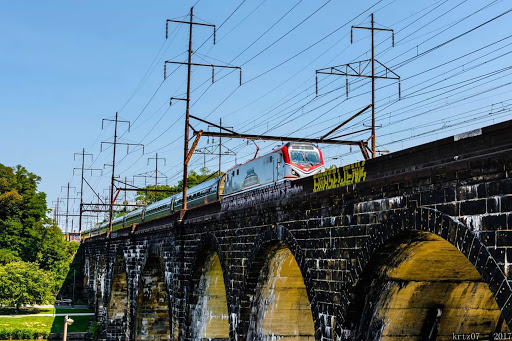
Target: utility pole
pixel 357 69
pixel 113 174
pixel 56 211
pixel 74 281
pixel 220 145
pixel 83 154
pixel 67 203
pixel 156 158
pixel 372 28
pixel 112 199
pixel 126 183
pixel 187 154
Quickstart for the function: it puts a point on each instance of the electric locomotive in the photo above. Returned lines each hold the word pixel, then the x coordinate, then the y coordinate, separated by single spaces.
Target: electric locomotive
pixel 291 161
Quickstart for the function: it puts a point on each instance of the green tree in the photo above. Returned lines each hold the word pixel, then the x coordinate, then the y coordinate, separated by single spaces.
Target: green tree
pixel 147 197
pixel 26 233
pixel 23 283
pixel 22 209
pixel 8 256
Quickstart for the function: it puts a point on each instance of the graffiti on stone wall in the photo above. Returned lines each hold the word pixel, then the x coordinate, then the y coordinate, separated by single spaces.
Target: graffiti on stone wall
pixel 260 195
pixel 335 177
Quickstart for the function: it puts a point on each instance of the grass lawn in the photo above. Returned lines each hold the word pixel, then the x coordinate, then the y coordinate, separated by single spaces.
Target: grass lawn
pixel 47 324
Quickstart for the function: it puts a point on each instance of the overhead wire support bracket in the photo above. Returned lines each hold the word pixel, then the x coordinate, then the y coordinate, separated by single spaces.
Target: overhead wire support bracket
pixel 213 66
pixel 146 175
pixel 88 169
pixel 232 134
pixel 190 23
pixel 124 144
pixel 374 29
pixel 279 138
pixel 176 99
pixel 92 189
pixel 194 145
pixel 116 120
pixel 212 124
pixel 346 121
pixel 95 204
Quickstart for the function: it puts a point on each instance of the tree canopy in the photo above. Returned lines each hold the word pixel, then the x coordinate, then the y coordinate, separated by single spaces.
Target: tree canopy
pixel 194 178
pixel 32 247
pixel 23 283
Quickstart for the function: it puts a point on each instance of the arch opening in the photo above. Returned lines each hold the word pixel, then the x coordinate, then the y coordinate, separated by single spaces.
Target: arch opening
pixel 208 309
pixel 420 287
pixel 119 302
pixel 280 307
pixel 152 320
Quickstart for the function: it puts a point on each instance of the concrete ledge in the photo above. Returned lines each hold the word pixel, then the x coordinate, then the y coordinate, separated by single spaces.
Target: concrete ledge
pixel 71 337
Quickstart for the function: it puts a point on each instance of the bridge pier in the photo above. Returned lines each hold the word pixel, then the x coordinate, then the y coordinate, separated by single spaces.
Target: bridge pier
pixel 410 253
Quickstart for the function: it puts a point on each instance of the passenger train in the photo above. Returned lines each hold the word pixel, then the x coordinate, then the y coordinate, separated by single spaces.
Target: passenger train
pixel 288 162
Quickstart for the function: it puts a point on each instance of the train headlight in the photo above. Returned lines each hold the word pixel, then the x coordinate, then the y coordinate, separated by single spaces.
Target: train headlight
pixel 294 172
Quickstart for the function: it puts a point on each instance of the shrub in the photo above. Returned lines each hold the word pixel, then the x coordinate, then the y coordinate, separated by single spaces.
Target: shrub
pixel 5 334
pixel 22 334
pixel 94 330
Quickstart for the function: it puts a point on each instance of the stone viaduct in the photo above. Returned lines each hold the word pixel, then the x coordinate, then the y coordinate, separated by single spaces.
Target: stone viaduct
pixel 414 245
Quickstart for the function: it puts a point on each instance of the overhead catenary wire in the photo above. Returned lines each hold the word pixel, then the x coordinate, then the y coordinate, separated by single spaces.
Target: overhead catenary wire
pixel 301 91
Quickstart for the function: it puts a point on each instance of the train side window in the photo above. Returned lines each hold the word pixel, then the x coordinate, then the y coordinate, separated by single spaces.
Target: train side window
pixel 270 159
pixel 237 171
pixel 233 173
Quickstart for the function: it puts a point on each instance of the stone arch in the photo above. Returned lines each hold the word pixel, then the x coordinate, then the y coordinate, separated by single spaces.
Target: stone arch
pixel 118 308
pixel 151 313
pixel 207 307
pixel 277 268
pixel 426 264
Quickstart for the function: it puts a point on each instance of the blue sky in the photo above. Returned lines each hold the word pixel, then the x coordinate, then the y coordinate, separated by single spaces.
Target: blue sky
pixel 66 65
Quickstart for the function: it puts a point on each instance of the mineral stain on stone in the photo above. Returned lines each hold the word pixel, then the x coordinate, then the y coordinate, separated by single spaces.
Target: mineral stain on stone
pixel 210 319
pixel 152 316
pixel 281 308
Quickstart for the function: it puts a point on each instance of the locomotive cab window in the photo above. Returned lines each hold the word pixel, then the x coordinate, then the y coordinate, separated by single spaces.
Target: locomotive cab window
pixel 305 157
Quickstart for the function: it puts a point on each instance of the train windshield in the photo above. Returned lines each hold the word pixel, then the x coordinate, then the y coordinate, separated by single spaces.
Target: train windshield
pixel 305 157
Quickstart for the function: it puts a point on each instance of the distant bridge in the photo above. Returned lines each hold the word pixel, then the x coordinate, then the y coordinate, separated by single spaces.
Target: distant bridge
pixel 412 245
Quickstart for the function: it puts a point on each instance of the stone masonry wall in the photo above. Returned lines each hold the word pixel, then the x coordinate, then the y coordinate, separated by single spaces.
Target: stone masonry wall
pixel 466 199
